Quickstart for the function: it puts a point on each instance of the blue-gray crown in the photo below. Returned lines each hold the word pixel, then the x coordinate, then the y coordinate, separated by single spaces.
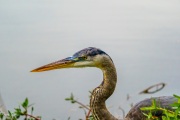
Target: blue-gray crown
pixel 90 51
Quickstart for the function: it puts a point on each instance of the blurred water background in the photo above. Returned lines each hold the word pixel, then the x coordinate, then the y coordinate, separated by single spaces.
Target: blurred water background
pixel 142 37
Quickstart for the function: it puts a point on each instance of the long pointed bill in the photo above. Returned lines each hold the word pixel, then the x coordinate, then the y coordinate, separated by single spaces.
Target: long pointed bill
pixel 64 63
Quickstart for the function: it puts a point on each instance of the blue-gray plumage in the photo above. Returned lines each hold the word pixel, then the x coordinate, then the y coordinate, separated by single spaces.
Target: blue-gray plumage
pixel 94 57
pixel 90 51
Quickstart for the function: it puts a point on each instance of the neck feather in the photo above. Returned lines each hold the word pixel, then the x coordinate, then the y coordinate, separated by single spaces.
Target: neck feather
pixel 103 92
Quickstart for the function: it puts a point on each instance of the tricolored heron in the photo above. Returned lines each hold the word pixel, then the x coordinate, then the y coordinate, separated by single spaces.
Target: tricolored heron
pixel 93 57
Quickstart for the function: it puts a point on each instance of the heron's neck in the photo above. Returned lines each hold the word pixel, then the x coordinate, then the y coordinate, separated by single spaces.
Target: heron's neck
pixel 103 92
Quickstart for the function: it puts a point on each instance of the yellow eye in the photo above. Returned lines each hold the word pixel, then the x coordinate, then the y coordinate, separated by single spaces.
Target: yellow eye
pixel 83 57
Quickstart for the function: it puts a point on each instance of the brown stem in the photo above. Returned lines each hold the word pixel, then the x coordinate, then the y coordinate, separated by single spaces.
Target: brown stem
pixel 147 90
pixel 87 116
pixel 84 106
pixel 32 116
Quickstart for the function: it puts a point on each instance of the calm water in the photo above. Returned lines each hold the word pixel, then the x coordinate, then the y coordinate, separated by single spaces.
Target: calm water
pixel 142 37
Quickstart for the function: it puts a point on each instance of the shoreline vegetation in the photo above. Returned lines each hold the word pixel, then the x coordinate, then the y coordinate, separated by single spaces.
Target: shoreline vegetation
pixel 25 109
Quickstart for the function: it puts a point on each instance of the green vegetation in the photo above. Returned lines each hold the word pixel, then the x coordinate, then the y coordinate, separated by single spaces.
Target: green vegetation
pixel 167 114
pixel 21 112
pixel 25 110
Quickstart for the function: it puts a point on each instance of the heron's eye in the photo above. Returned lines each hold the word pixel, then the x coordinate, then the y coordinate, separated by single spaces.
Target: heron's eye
pixel 83 57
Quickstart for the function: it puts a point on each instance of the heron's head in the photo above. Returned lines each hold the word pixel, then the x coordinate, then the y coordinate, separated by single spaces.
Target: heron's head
pixel 88 57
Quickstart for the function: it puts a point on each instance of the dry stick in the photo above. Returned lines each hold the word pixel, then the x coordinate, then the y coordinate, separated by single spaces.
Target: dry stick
pixel 84 106
pixel 147 90
pixel 32 116
pixel 87 116
pixel 123 112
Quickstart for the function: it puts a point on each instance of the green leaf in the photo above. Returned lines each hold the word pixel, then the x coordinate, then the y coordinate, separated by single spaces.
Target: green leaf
pixel 176 96
pixel 1 115
pixel 25 103
pixel 73 101
pixel 10 114
pixel 32 109
pixel 154 103
pixel 67 99
pixel 18 111
pixel 72 97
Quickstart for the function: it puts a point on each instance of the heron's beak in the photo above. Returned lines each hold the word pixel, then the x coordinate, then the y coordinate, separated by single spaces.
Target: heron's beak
pixel 64 63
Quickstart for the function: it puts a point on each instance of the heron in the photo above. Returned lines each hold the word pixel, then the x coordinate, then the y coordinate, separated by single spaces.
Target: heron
pixel 95 57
